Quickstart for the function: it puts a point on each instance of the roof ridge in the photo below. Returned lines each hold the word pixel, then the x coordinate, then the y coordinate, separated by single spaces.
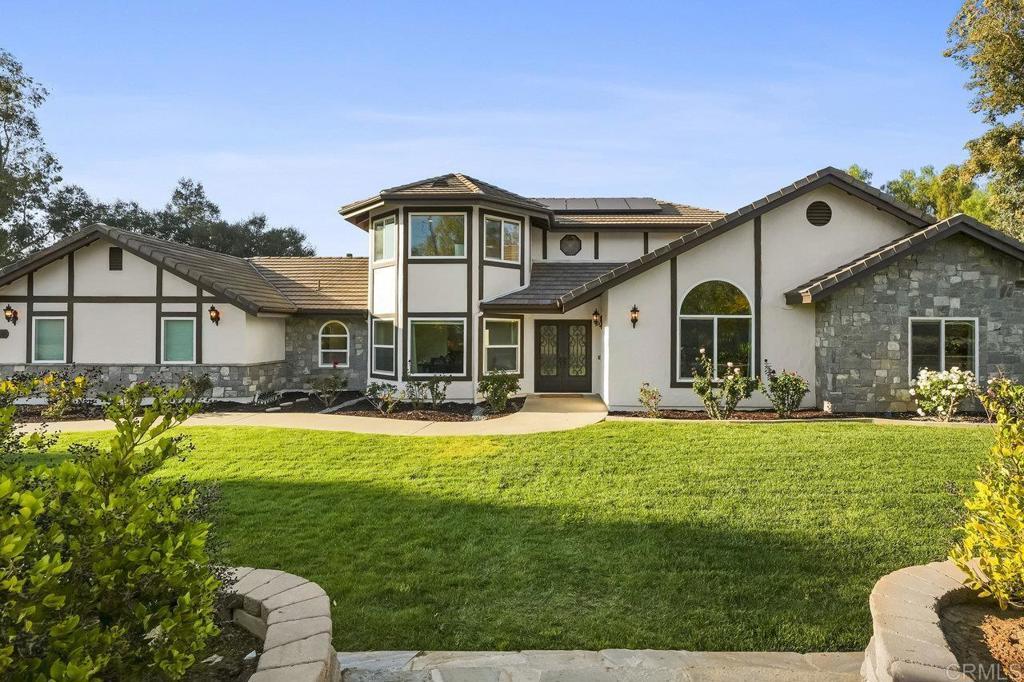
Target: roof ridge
pixel 470 185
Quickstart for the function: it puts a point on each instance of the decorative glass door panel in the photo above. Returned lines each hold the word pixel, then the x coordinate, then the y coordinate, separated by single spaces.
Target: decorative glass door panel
pixel 562 356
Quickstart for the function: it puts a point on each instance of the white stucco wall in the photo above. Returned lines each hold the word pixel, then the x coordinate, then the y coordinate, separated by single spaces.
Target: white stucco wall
pixel 586 252
pixel 114 333
pixel 52 279
pixel 93 276
pixel 176 286
pixel 264 338
pixel 621 246
pixel 384 287
pixel 498 281
pixel 437 287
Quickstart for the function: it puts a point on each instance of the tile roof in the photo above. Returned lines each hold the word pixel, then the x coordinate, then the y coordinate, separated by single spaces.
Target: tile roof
pixel 253 288
pixel 453 186
pixel 318 282
pixel 549 281
pixel 668 214
pixel 823 285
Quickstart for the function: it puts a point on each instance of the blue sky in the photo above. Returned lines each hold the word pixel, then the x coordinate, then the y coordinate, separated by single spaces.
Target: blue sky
pixel 296 108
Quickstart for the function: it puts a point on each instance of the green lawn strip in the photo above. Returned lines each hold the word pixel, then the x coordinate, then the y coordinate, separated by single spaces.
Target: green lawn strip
pixel 692 536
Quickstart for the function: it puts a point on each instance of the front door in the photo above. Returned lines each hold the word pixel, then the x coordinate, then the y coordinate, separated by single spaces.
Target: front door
pixel 562 356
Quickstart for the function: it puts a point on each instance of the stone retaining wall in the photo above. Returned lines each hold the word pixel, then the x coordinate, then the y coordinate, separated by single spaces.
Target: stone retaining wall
pixel 293 618
pixel 908 644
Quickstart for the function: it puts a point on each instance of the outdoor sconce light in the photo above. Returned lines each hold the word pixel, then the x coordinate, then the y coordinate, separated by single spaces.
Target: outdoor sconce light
pixel 634 315
pixel 214 315
pixel 10 314
pixel 596 317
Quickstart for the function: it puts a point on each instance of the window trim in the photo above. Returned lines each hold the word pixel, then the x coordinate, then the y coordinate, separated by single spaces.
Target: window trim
pixel 394 239
pixel 518 344
pixel 374 346
pixel 411 323
pixel 942 343
pixel 465 236
pixel 320 346
pixel 680 377
pixel 64 350
pixel 163 338
pixel 501 244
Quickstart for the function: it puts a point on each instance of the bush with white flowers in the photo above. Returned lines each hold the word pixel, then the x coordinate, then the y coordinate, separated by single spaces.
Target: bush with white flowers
pixel 940 394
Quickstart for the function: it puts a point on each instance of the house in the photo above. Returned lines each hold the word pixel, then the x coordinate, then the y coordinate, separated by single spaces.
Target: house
pixel 827 276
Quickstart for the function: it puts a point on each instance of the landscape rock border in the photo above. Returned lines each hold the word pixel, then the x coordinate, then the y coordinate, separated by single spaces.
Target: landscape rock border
pixel 908 644
pixel 293 618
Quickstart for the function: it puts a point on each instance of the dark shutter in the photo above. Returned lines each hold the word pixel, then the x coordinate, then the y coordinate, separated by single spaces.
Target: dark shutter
pixel 116 257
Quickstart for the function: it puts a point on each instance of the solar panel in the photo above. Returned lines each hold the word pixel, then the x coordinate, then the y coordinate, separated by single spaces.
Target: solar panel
pixel 554 203
pixel 612 204
pixel 581 204
pixel 643 204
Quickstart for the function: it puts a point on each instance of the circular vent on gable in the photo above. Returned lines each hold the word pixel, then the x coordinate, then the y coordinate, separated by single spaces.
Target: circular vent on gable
pixel 570 245
pixel 819 213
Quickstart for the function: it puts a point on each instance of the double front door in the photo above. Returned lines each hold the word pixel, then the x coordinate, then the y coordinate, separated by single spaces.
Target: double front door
pixel 562 356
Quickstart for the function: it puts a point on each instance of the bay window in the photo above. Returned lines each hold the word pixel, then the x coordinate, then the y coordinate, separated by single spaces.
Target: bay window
pixel 383 347
pixel 384 232
pixel 437 235
pixel 502 238
pixel 437 346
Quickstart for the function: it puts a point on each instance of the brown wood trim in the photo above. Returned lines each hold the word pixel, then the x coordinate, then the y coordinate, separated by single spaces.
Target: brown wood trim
pixel 499 308
pixel 394 347
pixel 126 299
pixel 159 309
pixel 647 242
pixel 576 228
pixel 467 375
pixel 480 342
pixel 369 229
pixel 673 278
pixel 524 222
pixel 758 353
pixel 597 245
pixel 69 329
pixel 200 321
pixel 30 288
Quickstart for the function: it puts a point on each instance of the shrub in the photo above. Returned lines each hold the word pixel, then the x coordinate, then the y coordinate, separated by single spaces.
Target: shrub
pixel 437 389
pixel 196 386
pixel 104 571
pixel 497 388
pixel 328 388
pixel 993 530
pixel 785 391
pixel 650 398
pixel 64 391
pixel 721 396
pixel 383 397
pixel 939 394
pixel 415 393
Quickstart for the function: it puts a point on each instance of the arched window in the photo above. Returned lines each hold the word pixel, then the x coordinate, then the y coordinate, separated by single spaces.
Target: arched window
pixel 334 344
pixel 715 316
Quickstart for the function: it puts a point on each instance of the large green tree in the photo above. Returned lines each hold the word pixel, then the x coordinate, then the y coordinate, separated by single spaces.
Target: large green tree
pixel 28 171
pixel 942 194
pixel 987 39
pixel 190 217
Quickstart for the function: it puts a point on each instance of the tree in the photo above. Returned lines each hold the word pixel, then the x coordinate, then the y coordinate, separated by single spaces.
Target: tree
pixel 27 170
pixel 987 39
pixel 190 217
pixel 860 173
pixel 942 194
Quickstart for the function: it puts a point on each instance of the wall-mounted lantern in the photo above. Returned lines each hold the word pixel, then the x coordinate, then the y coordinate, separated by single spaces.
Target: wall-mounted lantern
pixel 634 315
pixel 10 314
pixel 214 315
pixel 596 317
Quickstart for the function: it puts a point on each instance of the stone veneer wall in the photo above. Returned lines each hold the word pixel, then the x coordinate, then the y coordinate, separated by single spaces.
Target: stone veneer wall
pixel 861 331
pixel 299 367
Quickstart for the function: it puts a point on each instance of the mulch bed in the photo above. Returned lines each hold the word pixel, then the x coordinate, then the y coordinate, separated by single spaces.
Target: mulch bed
pixel 768 415
pixel 33 414
pixel 290 401
pixel 448 412
pixel 224 657
pixel 988 643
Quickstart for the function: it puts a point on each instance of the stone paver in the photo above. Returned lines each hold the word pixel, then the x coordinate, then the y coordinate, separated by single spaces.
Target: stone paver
pixel 539 414
pixel 310 608
pixel 609 665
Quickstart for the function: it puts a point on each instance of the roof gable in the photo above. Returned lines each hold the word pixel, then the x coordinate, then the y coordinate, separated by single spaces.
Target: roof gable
pixel 825 284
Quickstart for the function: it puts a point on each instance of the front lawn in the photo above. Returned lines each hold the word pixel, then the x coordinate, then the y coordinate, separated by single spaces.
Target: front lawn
pixel 637 535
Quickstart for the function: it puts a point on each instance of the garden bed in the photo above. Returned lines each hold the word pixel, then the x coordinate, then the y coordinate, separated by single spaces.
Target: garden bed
pixel 227 657
pixel 288 401
pixel 445 412
pixel 988 643
pixel 769 415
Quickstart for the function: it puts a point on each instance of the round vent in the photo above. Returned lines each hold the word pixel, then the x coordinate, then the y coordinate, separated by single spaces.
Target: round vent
pixel 819 213
pixel 570 245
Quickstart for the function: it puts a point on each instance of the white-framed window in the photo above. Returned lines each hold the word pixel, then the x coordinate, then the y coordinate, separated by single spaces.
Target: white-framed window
pixel 49 334
pixel 437 235
pixel 178 340
pixel 437 346
pixel 333 344
pixel 384 243
pixel 942 343
pixel 383 360
pixel 715 316
pixel 501 345
pixel 502 239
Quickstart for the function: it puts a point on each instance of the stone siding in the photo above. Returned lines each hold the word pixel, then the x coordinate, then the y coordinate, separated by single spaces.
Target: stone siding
pixel 295 372
pixel 861 334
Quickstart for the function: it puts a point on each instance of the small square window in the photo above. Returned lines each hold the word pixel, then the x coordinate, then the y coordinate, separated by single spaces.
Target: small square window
pixel 48 335
pixel 115 257
pixel 179 340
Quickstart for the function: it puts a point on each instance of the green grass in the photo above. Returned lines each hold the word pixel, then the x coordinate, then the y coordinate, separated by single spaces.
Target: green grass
pixel 693 536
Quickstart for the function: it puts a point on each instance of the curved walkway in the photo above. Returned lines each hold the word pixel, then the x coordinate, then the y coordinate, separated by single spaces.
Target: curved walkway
pixel 539 414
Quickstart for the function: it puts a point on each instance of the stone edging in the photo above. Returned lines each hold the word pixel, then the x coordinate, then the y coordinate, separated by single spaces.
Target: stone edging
pixel 814 420
pixel 293 618
pixel 908 644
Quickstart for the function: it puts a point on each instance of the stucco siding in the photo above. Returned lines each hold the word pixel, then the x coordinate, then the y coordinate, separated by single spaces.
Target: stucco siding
pixel 437 288
pixel 176 286
pixel 498 281
pixel 114 333
pixel 93 276
pixel 52 279
pixel 384 285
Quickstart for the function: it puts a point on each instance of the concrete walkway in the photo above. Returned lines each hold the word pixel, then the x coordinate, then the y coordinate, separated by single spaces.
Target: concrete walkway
pixel 539 414
pixel 610 665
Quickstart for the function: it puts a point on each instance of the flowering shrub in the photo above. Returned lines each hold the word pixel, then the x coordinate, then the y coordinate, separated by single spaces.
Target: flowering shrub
pixel 785 391
pixel 104 571
pixel 383 397
pixel 650 398
pixel 939 394
pixel 721 396
pixel 64 391
pixel 993 530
